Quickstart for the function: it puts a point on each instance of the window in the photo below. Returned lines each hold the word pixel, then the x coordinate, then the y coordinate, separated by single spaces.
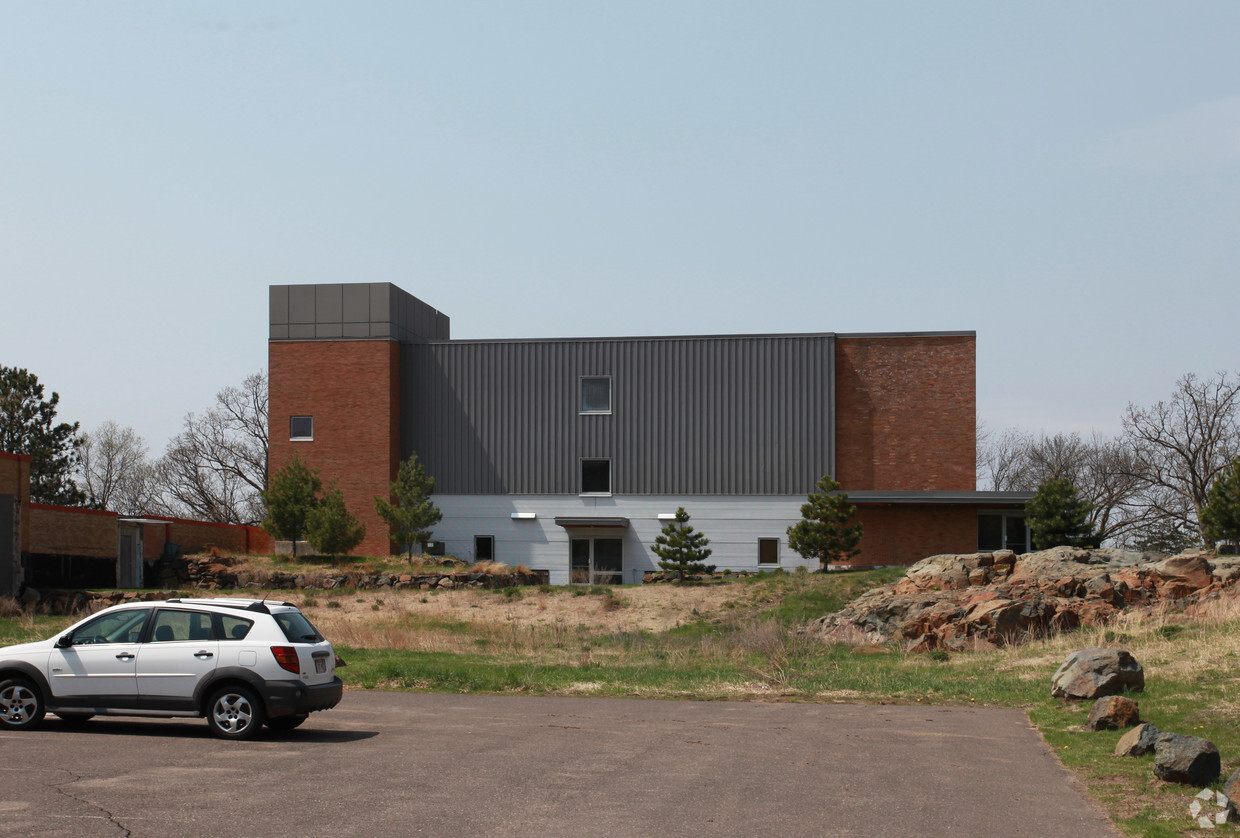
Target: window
pixel 484 548
pixel 117 627
pixel 171 626
pixel 596 394
pixel 301 427
pixel 296 628
pixel 234 628
pixel 768 551
pixel 997 531
pixel 596 477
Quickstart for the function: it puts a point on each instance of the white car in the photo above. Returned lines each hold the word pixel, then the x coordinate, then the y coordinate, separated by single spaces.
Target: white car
pixel 238 662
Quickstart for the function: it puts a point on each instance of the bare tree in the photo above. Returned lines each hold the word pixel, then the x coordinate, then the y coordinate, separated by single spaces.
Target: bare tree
pixel 216 468
pixel 1179 446
pixel 114 470
pixel 1100 469
pixel 1002 461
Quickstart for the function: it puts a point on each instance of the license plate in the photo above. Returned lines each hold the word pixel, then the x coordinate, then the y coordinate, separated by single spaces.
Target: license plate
pixel 320 665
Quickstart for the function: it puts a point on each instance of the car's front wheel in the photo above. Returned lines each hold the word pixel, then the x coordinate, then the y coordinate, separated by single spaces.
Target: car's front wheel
pixel 235 713
pixel 21 705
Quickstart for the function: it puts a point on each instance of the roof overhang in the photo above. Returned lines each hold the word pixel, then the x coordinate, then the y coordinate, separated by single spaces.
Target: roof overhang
pixel 940 498
pixel 592 522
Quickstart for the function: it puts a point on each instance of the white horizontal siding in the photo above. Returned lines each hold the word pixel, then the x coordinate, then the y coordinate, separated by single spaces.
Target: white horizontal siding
pixel 733 525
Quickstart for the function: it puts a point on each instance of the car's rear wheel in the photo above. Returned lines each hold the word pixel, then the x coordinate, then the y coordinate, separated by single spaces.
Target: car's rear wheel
pixel 21 705
pixel 235 713
pixel 282 723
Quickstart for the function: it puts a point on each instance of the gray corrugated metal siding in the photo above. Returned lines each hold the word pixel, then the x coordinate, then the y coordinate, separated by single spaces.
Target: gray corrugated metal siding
pixel 726 415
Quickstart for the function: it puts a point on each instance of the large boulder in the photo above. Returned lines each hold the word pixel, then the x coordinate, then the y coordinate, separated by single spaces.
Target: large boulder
pixel 1186 759
pixel 1113 712
pixel 1094 672
pixel 1139 741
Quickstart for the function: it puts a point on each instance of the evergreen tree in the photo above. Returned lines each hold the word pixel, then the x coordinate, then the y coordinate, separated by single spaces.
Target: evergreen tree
pixel 413 514
pixel 292 493
pixel 825 533
pixel 1057 516
pixel 682 549
pixel 1220 519
pixel 330 527
pixel 28 426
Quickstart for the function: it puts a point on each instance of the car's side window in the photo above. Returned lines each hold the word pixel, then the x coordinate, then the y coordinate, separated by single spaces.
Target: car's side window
pixel 119 627
pixel 172 625
pixel 234 628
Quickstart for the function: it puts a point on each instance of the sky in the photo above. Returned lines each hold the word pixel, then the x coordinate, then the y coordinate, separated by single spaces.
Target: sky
pixel 1062 178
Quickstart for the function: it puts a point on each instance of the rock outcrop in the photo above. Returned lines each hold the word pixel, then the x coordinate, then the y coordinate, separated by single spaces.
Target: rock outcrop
pixel 982 600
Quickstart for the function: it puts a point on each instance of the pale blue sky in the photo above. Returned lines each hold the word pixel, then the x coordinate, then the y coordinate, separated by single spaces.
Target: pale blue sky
pixel 1063 178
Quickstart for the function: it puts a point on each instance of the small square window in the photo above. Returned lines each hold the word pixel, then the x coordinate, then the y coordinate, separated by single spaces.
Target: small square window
pixel 301 427
pixel 596 394
pixel 768 551
pixel 484 548
pixel 596 477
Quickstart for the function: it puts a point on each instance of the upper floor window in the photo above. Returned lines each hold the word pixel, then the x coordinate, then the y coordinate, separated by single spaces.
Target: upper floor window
pixel 596 394
pixel 300 427
pixel 596 477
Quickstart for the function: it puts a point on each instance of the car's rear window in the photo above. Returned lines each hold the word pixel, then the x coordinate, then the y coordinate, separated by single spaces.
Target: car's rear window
pixel 297 628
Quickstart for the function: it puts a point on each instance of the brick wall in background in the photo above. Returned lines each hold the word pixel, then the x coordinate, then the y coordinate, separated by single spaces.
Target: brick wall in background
pixel 71 531
pixel 902 535
pixel 905 412
pixel 352 389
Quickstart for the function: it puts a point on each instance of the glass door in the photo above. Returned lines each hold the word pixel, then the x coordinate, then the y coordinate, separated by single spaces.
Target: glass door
pixel 596 561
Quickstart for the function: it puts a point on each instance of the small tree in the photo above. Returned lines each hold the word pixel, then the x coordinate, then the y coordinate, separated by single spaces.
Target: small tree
pixel 825 533
pixel 1221 518
pixel 681 548
pixel 1056 516
pixel 413 514
pixel 331 528
pixel 28 426
pixel 292 492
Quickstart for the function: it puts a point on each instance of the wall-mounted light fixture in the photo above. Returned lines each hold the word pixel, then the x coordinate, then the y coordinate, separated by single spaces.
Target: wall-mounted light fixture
pixel 667 516
pixel 524 516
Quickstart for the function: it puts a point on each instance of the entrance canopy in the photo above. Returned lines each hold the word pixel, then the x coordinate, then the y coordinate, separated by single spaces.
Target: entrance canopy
pixel 595 522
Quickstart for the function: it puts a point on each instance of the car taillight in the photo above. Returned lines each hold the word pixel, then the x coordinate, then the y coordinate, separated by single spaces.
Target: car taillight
pixel 286 656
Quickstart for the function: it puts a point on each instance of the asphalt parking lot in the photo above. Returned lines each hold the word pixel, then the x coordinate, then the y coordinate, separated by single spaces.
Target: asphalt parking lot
pixel 389 764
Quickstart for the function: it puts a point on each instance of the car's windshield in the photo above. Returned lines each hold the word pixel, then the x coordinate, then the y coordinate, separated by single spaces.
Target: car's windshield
pixel 297 628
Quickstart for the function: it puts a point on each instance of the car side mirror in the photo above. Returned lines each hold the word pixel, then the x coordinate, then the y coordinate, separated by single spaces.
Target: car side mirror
pixel 64 641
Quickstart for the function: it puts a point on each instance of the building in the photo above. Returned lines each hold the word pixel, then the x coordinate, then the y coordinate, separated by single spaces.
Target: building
pixel 568 454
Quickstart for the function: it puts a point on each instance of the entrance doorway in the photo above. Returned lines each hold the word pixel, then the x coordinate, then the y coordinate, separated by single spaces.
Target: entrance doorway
pixel 596 561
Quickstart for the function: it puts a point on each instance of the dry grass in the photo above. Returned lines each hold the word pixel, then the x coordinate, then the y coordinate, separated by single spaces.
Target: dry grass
pixel 432 619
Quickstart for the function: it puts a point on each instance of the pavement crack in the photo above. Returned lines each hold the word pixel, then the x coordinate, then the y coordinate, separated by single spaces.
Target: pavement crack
pixel 76 778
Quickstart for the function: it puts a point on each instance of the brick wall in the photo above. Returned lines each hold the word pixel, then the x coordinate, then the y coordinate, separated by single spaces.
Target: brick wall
pixel 902 535
pixel 905 412
pixel 15 480
pixel 200 536
pixel 70 531
pixel 352 389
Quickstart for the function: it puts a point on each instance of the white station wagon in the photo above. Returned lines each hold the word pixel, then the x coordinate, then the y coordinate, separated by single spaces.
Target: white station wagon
pixel 238 662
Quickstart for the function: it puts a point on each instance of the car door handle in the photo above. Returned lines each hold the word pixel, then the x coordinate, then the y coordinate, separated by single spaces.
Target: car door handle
pixel 203 654
pixel 126 656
